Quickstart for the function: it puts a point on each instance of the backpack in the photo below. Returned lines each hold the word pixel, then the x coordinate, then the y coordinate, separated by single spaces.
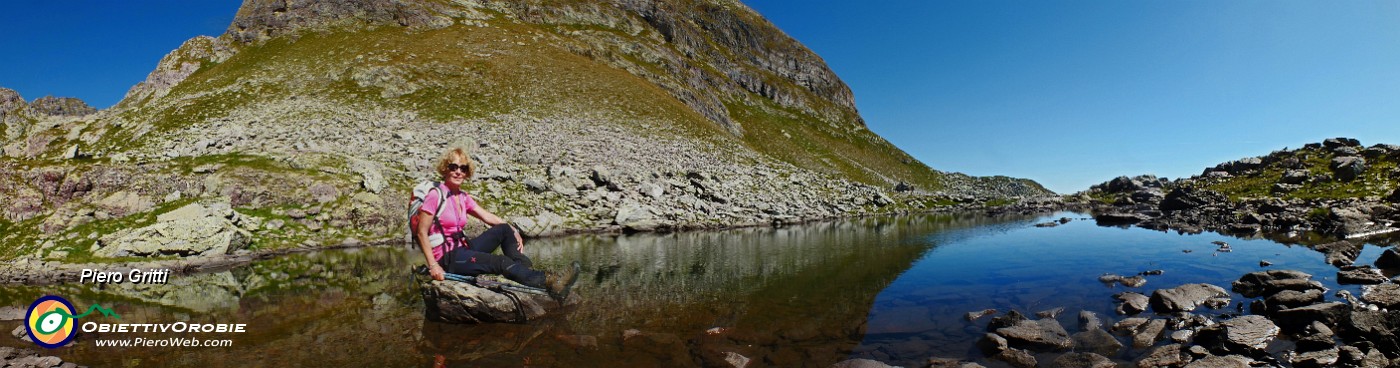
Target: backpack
pixel 415 203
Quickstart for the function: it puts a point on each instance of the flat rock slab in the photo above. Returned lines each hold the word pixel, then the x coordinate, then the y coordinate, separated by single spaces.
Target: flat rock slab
pixel 461 302
pixel 1361 276
pixel 1043 334
pixel 1328 313
pixel 1185 298
pixel 1256 284
pixel 1243 334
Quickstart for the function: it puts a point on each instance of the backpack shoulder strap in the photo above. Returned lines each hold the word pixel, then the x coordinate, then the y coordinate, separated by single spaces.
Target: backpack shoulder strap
pixel 442 202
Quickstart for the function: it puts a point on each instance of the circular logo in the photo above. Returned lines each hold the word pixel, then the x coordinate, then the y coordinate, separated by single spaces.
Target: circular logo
pixel 50 321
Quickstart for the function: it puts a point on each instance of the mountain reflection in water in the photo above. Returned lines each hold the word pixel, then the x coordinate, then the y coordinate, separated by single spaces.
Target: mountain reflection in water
pixel 892 289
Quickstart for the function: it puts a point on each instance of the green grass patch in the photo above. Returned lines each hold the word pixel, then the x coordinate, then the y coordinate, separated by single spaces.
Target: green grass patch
pixel 858 154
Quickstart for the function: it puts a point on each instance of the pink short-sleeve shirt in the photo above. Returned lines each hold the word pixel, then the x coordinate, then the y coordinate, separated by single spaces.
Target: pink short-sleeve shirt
pixel 452 217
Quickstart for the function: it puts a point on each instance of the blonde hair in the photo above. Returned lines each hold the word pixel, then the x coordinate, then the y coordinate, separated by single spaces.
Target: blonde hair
pixel 455 154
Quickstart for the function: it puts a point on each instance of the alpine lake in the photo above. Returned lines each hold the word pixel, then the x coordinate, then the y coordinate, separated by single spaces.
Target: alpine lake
pixel 892 289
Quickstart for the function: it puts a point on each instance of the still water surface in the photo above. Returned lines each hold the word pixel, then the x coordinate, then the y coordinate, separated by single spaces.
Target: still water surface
pixel 892 289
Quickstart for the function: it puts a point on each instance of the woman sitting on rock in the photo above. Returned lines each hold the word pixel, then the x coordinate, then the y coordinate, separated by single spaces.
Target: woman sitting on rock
pixel 447 249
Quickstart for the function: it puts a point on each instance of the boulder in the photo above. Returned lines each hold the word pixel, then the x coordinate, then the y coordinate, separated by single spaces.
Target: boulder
pixel 1292 299
pixel 460 302
pixel 1147 334
pixel 1347 168
pixel 1017 358
pixel 1122 184
pixel 1082 360
pixel 1383 295
pixel 1119 218
pixel 1164 356
pixel 1329 313
pixel 636 217
pixel 1185 298
pixel 1364 275
pixel 1295 177
pixel 1381 328
pixel 545 223
pixel 1256 284
pixel 1350 222
pixel 1331 143
pixel 1011 318
pixel 992 344
pixel 1128 325
pixel 1097 341
pixel 651 190
pixel 1240 335
pixel 1043 334
pixel 1390 259
pixel 1131 303
pixel 1186 198
pixel 186 231
pixel 1316 359
pixel 371 175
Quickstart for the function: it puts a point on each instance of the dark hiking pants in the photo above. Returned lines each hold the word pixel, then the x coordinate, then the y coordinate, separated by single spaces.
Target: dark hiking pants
pixel 477 258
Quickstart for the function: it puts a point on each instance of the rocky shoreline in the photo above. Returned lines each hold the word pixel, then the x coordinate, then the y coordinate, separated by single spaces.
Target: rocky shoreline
pixel 35 271
pixel 1288 324
pixel 1323 188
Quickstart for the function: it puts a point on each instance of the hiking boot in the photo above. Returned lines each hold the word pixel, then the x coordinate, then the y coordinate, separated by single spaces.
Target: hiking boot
pixel 559 284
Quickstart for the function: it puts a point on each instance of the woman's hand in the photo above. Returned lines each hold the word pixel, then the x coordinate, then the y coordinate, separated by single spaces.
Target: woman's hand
pixel 436 272
pixel 519 243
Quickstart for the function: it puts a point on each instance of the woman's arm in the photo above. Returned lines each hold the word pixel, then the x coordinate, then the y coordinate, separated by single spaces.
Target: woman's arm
pixel 491 219
pixel 425 222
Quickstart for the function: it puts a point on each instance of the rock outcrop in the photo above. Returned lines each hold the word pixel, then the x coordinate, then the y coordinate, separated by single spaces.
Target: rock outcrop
pixel 461 302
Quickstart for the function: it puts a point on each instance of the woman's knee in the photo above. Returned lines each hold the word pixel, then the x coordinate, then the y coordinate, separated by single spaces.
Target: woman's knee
pixel 502 227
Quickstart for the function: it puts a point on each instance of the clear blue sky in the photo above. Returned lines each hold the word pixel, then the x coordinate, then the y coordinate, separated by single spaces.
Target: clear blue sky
pixel 96 50
pixel 1072 93
pixel 1068 93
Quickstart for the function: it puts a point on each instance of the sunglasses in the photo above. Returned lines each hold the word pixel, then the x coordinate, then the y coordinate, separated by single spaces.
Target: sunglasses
pixel 454 167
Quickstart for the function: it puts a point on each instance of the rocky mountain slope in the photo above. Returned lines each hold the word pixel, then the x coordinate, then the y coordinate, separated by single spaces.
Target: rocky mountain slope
pixel 1337 188
pixel 306 123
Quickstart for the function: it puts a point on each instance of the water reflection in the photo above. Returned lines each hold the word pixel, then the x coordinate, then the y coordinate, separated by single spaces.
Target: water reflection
pixel 891 289
pixel 788 296
pixel 1030 269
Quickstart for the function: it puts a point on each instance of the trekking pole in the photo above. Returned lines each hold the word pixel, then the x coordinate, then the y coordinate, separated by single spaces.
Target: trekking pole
pixel 486 283
pixel 493 284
